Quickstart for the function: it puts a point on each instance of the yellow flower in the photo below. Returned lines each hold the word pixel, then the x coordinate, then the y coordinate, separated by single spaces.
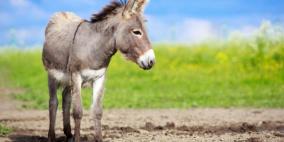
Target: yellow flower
pixel 222 57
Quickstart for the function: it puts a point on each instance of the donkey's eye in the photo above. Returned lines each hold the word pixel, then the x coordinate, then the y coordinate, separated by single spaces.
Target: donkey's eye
pixel 137 32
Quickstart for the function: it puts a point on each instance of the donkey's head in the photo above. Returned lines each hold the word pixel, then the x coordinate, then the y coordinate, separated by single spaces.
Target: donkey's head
pixel 131 36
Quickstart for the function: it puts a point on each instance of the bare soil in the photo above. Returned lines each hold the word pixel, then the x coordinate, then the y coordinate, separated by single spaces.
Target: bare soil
pixel 150 125
pixel 6 103
pixel 164 125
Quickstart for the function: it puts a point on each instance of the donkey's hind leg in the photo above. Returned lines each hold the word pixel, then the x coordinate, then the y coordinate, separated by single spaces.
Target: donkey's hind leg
pixel 66 104
pixel 76 104
pixel 53 104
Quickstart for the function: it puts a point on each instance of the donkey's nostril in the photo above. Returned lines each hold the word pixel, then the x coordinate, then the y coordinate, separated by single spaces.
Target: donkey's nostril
pixel 151 62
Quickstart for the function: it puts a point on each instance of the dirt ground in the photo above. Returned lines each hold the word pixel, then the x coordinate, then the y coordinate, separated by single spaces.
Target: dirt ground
pixel 155 125
pixel 126 125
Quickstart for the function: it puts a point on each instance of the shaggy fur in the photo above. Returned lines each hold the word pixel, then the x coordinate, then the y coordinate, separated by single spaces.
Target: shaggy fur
pixel 107 11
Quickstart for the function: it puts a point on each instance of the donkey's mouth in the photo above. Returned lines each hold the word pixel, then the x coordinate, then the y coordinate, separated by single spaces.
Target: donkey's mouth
pixel 147 67
pixel 147 60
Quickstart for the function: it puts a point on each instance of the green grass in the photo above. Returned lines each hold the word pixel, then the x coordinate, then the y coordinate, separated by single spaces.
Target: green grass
pixel 4 131
pixel 230 74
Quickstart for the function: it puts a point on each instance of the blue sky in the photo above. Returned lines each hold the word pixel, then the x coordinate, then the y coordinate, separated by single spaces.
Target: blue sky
pixel 22 22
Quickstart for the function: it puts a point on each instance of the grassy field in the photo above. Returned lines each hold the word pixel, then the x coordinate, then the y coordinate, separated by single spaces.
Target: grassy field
pixel 226 74
pixel 4 130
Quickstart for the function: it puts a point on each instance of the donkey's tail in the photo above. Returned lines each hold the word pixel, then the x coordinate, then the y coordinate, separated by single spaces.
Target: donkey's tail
pixel 60 20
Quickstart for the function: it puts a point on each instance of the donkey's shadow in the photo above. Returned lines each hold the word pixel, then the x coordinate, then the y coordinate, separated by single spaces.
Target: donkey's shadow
pixel 27 138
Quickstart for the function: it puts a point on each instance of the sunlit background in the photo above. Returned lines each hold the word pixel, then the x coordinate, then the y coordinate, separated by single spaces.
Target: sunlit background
pixel 22 22
pixel 224 53
pixel 219 73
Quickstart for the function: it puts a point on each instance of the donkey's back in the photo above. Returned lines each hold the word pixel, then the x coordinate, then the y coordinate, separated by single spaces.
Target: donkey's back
pixel 58 39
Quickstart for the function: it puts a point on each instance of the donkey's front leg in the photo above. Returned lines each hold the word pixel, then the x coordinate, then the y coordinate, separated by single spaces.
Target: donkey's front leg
pixel 98 88
pixel 77 105
pixel 53 104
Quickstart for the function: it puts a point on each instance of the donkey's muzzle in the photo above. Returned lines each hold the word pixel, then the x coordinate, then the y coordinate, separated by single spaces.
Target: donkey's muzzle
pixel 147 60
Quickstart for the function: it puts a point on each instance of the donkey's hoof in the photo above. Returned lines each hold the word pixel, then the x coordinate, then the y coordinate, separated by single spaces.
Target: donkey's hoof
pixel 51 139
pixel 71 139
pixel 97 139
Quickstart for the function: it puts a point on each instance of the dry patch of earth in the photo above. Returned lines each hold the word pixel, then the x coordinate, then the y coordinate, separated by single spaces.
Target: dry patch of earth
pixel 6 103
pixel 164 125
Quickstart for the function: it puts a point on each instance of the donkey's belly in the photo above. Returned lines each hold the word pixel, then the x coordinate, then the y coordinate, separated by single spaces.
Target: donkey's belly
pixel 87 75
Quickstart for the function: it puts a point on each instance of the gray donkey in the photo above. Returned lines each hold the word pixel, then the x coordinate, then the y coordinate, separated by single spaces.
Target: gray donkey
pixel 77 52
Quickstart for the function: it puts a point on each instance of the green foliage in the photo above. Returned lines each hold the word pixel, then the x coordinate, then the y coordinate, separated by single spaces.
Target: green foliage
pixel 4 131
pixel 230 74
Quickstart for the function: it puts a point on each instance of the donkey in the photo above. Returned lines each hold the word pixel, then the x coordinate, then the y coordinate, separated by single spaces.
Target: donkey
pixel 77 52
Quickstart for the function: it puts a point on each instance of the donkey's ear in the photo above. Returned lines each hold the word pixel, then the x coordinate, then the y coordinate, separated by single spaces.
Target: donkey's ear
pixel 134 6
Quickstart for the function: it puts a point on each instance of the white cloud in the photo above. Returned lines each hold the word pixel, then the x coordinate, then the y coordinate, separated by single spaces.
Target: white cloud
pixel 193 30
pixel 196 30
pixel 266 29
pixel 27 8
pixel 189 30
pixel 19 3
pixel 25 36
pixel 245 31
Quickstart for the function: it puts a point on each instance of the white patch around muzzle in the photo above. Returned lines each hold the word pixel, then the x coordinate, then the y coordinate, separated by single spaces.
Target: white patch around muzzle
pixel 147 60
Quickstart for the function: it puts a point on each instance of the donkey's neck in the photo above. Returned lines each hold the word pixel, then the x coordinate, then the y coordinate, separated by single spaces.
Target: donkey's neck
pixel 107 26
pixel 93 47
pixel 104 31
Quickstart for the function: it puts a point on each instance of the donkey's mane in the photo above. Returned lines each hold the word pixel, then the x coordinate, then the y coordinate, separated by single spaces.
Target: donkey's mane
pixel 108 10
